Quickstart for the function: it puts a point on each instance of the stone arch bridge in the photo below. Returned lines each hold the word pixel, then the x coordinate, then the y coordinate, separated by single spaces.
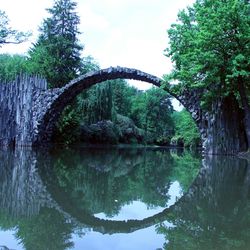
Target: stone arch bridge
pixel 29 110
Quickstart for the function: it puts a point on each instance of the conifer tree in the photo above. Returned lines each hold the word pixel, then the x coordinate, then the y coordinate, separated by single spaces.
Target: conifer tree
pixel 56 55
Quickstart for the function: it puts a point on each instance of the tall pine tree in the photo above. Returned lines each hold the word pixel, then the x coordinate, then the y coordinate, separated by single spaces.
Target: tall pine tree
pixel 56 55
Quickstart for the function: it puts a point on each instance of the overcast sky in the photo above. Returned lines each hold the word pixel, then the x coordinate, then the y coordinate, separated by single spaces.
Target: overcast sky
pixel 129 33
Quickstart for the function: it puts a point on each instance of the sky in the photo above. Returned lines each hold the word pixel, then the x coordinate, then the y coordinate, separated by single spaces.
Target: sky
pixel 127 33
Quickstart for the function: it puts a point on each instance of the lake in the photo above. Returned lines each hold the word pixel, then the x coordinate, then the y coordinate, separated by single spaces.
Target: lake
pixel 122 198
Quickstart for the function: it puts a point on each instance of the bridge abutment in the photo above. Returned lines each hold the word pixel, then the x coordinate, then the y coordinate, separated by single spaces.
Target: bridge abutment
pixel 222 129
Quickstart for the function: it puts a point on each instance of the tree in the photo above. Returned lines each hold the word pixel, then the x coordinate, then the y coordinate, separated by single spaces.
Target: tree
pixel 9 35
pixel 12 65
pixel 98 103
pixel 210 48
pixel 186 132
pixel 151 110
pixel 123 94
pixel 88 64
pixel 158 110
pixel 56 55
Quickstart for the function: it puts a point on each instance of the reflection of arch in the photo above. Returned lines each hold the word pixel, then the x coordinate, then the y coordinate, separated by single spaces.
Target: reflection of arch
pixel 37 190
pixel 206 190
pixel 62 97
pixel 66 206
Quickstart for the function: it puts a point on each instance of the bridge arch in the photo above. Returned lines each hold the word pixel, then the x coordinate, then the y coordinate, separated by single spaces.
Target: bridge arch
pixel 29 111
pixel 62 202
pixel 57 99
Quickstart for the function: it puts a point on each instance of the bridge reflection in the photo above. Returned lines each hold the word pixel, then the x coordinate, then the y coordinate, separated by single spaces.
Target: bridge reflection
pixel 76 185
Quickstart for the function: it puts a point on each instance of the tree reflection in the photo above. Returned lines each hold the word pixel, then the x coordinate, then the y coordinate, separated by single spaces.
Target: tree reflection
pixel 36 188
pixel 105 180
pixel 216 213
pixel 47 230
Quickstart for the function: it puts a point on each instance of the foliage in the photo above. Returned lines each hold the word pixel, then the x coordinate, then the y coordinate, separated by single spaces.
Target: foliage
pixel 9 35
pixel 128 131
pixel 130 109
pixel 210 48
pixel 104 101
pixel 123 94
pixel 88 64
pixel 209 45
pixel 68 130
pixel 151 110
pixel 98 104
pixel 186 131
pixel 56 54
pixel 12 65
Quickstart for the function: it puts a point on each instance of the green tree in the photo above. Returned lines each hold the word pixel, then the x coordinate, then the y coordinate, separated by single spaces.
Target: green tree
pixel 97 104
pixel 68 126
pixel 123 94
pixel 151 110
pixel 56 54
pixel 137 113
pixel 9 35
pixel 88 64
pixel 210 48
pixel 12 65
pixel 158 112
pixel 186 131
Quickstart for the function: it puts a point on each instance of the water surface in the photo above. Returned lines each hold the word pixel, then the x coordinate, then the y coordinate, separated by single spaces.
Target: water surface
pixel 122 198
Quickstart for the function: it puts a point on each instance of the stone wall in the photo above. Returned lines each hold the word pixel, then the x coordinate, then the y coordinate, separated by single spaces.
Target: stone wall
pixel 224 128
pixel 16 110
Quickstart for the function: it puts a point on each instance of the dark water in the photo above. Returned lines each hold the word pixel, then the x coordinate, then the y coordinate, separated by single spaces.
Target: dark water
pixel 122 199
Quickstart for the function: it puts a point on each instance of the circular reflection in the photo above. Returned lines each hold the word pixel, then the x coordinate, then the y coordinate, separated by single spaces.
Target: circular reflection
pixel 95 186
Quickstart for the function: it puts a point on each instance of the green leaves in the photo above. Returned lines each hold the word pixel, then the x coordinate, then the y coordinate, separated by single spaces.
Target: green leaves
pixel 11 66
pixel 210 46
pixel 56 55
pixel 151 110
pixel 186 132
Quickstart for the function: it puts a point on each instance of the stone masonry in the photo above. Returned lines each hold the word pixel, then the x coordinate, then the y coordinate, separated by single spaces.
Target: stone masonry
pixel 29 111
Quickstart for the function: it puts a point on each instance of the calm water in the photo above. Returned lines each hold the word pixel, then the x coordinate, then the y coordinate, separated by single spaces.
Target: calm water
pixel 120 198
